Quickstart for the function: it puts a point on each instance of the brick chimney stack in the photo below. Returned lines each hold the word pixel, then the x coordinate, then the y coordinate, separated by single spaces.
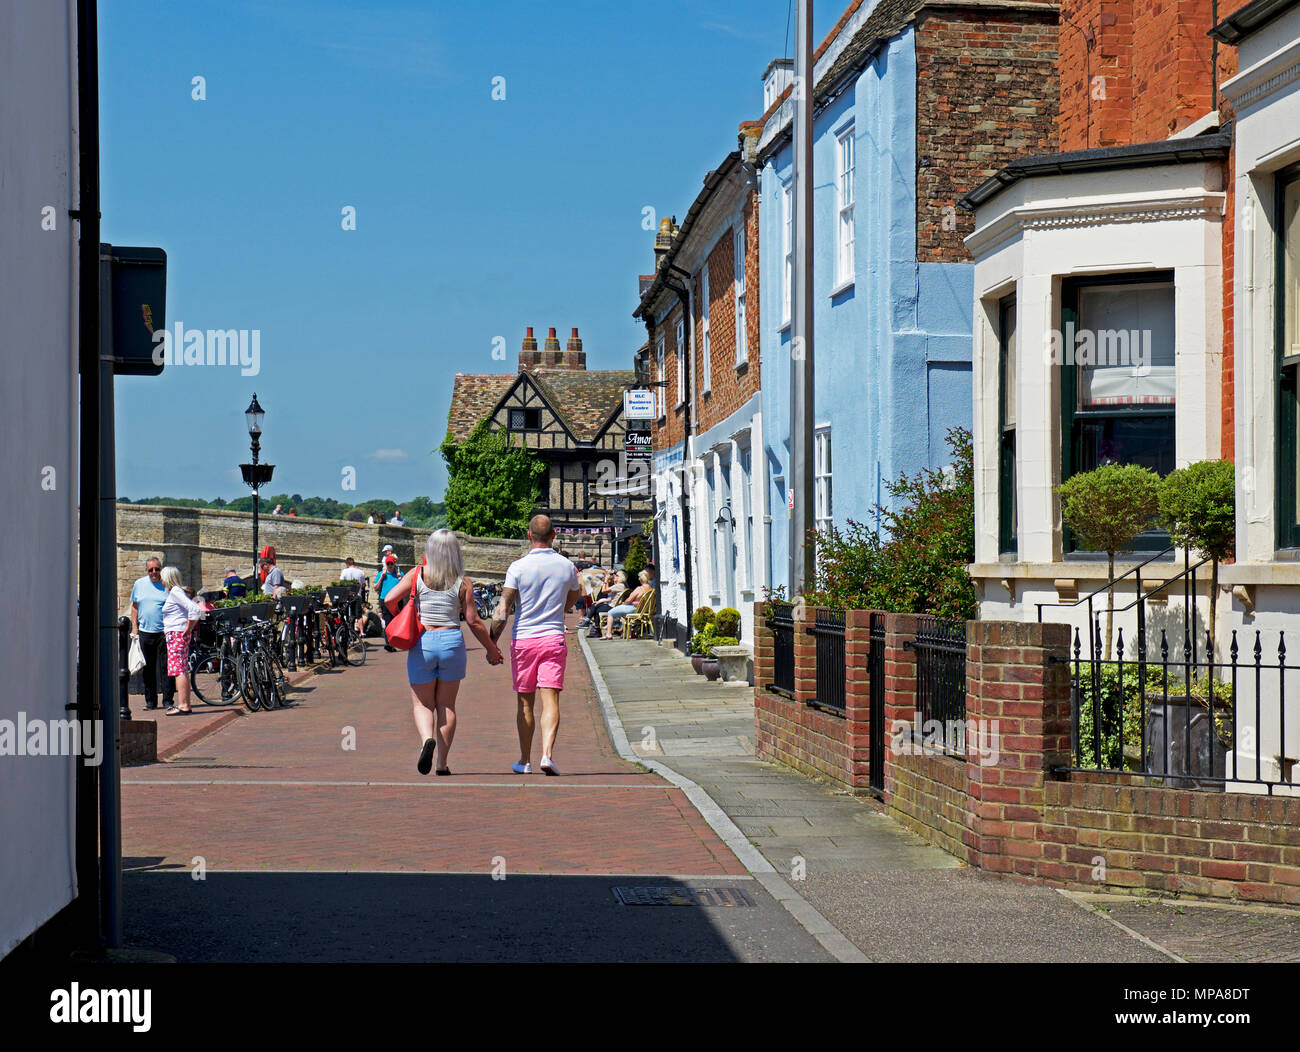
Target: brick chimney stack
pixel 529 359
pixel 551 356
pixel 574 356
pixel 664 240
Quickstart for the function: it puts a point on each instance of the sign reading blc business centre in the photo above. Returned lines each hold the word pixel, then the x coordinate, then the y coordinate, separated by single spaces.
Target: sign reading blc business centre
pixel 638 405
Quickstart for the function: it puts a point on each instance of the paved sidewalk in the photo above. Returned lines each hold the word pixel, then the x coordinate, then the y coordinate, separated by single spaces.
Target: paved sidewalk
pixel 888 891
pixel 317 839
pixel 1199 931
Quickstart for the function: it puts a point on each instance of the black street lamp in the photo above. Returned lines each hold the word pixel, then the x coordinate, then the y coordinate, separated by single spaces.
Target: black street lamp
pixel 255 474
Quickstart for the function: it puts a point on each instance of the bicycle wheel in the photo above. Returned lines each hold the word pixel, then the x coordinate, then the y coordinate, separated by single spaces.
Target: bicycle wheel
pixel 272 696
pixel 357 649
pixel 211 678
pixel 246 677
pixel 327 644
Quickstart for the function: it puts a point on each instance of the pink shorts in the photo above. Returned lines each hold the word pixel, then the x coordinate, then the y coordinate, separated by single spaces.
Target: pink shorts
pixel 538 663
pixel 178 653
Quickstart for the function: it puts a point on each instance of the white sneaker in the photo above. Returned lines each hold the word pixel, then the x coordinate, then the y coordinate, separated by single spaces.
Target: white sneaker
pixel 522 768
pixel 547 766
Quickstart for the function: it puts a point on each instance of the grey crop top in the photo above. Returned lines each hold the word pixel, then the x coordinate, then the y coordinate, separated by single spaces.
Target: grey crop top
pixel 437 607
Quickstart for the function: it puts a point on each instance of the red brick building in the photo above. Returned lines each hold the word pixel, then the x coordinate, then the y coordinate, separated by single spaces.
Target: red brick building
pixel 701 312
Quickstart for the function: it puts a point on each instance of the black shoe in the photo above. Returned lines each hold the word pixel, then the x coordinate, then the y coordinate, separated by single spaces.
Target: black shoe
pixel 444 771
pixel 391 650
pixel 425 764
pixel 147 708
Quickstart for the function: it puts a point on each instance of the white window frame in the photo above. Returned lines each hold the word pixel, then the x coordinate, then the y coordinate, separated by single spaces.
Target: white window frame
pixel 738 274
pixel 705 351
pixel 787 251
pixel 659 370
pixel 845 173
pixel 822 473
pixel 680 334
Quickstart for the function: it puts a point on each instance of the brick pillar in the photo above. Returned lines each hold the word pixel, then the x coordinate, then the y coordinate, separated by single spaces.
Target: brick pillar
pixel 900 686
pixel 805 654
pixel 857 695
pixel 1018 727
pixel 764 661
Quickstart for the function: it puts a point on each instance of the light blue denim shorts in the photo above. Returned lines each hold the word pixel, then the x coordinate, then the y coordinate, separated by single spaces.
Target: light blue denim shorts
pixel 440 654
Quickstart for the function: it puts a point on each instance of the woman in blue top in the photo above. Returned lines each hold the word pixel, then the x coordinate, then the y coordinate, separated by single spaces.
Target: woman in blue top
pixel 384 584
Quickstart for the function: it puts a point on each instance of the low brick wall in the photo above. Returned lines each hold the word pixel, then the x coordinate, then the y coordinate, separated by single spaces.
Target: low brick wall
pixel 202 542
pixel 1221 845
pixel 810 741
pixel 931 796
pixel 1002 808
pixel 789 730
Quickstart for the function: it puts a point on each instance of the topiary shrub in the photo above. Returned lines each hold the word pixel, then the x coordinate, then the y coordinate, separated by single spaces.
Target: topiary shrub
pixel 1196 503
pixel 722 641
pixel 1107 508
pixel 727 622
pixel 635 561
pixel 702 618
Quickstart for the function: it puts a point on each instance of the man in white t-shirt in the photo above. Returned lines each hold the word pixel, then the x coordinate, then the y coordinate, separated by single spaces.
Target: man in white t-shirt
pixel 540 587
pixel 353 572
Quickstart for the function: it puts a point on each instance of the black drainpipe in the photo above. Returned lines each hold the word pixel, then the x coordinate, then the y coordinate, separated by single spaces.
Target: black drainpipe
pixel 87 215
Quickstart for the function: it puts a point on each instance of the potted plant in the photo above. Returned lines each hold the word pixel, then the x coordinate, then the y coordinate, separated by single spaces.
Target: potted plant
pixel 727 622
pixel 702 621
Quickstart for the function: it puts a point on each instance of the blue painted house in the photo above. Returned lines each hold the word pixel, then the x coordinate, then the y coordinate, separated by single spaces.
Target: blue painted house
pixel 897 140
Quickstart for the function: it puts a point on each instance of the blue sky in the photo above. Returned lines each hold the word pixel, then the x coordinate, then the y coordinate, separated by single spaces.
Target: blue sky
pixel 474 218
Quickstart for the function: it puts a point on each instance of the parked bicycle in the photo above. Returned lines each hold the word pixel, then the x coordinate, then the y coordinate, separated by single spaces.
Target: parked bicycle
pixel 241 663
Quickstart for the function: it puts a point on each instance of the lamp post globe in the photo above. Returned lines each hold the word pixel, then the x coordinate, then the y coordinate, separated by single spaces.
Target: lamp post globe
pixel 253 414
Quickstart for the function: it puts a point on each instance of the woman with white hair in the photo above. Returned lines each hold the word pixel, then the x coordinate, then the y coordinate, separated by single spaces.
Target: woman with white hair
pixel 436 664
pixel 180 614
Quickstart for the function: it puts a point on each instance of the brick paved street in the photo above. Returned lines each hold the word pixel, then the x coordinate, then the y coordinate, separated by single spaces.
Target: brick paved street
pixel 278 793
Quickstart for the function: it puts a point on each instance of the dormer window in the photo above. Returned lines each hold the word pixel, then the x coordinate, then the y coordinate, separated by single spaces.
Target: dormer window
pixel 525 420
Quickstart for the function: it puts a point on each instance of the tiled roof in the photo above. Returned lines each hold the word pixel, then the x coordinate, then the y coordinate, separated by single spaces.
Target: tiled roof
pixel 473 396
pixel 583 399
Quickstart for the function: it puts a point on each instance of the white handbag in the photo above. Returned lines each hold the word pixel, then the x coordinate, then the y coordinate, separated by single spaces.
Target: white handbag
pixel 135 656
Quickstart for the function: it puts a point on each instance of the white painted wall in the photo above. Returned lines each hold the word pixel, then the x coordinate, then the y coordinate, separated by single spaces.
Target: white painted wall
pixel 38 298
pixel 1267 96
pixel 1027 240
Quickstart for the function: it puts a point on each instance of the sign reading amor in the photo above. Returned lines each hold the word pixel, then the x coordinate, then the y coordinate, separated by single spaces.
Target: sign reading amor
pixel 637 445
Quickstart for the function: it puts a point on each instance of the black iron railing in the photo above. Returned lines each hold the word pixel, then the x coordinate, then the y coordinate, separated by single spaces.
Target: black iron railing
pixel 1166 709
pixel 940 647
pixel 780 619
pixel 828 632
pixel 876 672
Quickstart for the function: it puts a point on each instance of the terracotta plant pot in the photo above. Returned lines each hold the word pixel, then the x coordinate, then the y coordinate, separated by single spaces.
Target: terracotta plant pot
pixel 710 667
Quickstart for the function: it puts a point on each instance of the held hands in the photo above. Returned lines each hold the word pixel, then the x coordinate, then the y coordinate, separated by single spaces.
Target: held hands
pixel 494 653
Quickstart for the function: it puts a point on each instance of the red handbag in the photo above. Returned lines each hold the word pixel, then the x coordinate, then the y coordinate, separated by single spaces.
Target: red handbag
pixel 404 630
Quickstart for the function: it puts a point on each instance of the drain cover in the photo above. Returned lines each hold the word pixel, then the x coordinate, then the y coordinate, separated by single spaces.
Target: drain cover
pixel 673 895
